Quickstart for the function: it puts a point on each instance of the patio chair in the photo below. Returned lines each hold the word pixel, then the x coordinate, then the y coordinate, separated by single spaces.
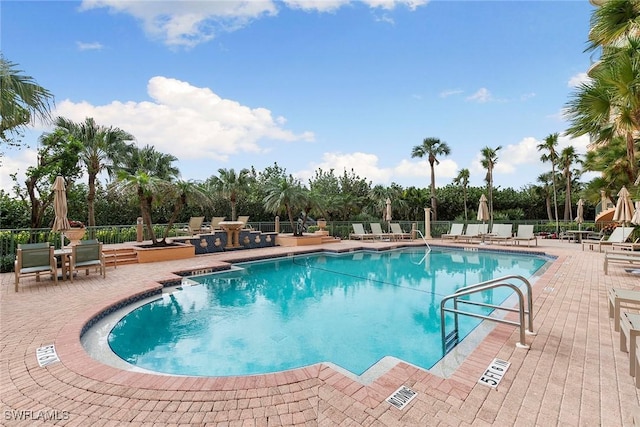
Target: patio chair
pixel 87 254
pixel 33 259
pixel 472 232
pixel 622 298
pixel 525 234
pixel 359 233
pixel 215 222
pixel 244 219
pixel 376 230
pixel 618 235
pixel 501 233
pixel 627 246
pixel 456 231
pixel 397 232
pixel 620 257
pixel 194 227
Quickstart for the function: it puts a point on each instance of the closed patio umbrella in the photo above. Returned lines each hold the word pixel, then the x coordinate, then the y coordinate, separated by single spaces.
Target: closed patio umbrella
pixel 624 207
pixel 60 222
pixel 387 214
pixel 483 210
pixel 580 213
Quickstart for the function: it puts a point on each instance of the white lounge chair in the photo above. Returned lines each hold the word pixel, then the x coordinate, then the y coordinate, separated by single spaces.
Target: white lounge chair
pixel 457 229
pixel 376 230
pixel 618 235
pixel 629 258
pixel 194 227
pixel 525 234
pixel 501 233
pixel 622 298
pixel 472 232
pixel 397 232
pixel 359 233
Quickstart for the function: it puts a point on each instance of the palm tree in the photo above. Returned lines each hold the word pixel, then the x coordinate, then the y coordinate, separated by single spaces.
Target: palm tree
pixel 431 148
pixel 231 186
pixel 102 148
pixel 549 145
pixel 186 193
pixel 22 100
pixel 546 191
pixel 489 160
pixel 149 175
pixel 612 21
pixel 568 157
pixel 288 195
pixel 463 180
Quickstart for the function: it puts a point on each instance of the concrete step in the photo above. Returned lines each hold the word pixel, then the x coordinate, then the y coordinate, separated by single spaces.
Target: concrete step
pixel 330 239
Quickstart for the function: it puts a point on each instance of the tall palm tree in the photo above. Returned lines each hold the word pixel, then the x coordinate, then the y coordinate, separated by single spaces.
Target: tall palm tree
pixel 288 195
pixel 432 148
pixel 489 160
pixel 149 175
pixel 231 186
pixel 462 179
pixel 612 21
pixel 568 157
pixel 551 155
pixel 103 147
pixel 186 193
pixel 22 100
pixel 546 191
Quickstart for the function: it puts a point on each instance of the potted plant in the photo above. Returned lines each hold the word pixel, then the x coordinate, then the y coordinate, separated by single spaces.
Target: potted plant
pixel 76 232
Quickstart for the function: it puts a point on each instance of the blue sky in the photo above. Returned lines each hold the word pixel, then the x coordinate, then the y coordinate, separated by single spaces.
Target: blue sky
pixel 310 84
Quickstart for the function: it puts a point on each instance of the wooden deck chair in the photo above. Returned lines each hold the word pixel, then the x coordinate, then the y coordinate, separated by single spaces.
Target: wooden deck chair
pixel 525 234
pixel 359 233
pixel 397 232
pixel 457 229
pixel 376 230
pixel 194 227
pixel 33 259
pixel 87 254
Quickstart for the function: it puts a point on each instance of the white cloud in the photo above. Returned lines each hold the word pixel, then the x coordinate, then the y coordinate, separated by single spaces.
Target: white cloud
pixel 451 92
pixel 187 121
pixel 18 163
pixel 89 46
pixel 187 23
pixel 364 165
pixel 482 95
pixel 578 79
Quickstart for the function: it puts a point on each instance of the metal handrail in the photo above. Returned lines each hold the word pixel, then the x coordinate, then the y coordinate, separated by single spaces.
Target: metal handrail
pixel 424 239
pixel 487 285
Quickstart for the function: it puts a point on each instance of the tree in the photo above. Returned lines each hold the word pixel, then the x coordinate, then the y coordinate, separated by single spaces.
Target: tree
pixel 22 101
pixel 231 186
pixel 489 160
pixel 185 193
pixel 551 155
pixel 288 195
pixel 57 156
pixel 102 148
pixel 568 157
pixel 463 181
pixel 546 192
pixel 432 148
pixel 149 175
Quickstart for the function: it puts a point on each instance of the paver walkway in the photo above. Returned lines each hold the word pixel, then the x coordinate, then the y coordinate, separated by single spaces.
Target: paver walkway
pixel 573 375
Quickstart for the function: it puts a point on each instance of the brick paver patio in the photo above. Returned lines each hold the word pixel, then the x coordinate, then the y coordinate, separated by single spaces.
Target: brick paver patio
pixel 574 373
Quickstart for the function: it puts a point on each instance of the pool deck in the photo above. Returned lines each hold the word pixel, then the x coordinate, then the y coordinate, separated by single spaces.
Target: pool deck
pixel 574 374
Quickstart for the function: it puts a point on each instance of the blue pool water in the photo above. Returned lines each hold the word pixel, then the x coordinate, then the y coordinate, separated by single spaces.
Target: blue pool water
pixel 350 309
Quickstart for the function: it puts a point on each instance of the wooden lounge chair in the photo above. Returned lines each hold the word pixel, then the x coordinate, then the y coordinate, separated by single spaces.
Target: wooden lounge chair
pixel 397 232
pixel 194 227
pixel 620 257
pixel 457 229
pixel 618 235
pixel 33 259
pixel 525 234
pixel 501 233
pixel 359 233
pixel 87 254
pixel 376 230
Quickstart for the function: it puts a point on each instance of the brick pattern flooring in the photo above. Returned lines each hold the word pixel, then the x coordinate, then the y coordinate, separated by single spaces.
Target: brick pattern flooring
pixel 574 373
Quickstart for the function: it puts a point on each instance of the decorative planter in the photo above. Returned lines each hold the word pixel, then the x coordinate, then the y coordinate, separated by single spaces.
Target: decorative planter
pixel 166 253
pixel 74 235
pixel 291 240
pixel 322 224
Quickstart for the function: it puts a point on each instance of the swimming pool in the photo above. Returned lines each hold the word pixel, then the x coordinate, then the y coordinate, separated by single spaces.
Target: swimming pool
pixel 348 309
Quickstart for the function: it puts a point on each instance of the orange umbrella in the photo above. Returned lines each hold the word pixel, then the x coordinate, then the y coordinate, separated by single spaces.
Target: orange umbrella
pixel 60 222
